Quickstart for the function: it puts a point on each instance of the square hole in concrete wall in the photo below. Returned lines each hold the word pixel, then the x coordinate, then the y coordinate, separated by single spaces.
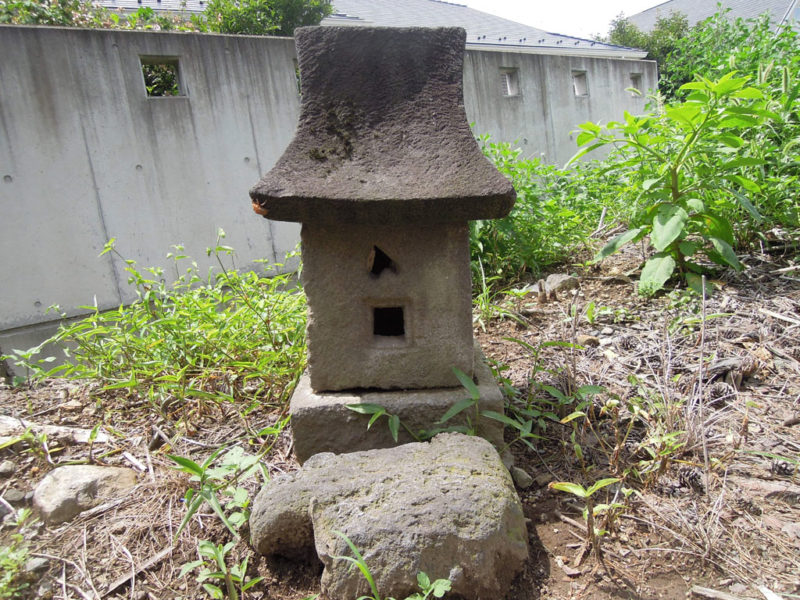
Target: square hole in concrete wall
pixel 388 321
pixel 635 88
pixel 509 82
pixel 162 76
pixel 580 84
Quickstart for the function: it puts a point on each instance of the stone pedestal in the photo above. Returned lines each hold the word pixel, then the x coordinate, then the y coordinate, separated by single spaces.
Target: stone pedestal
pixel 447 508
pixel 321 421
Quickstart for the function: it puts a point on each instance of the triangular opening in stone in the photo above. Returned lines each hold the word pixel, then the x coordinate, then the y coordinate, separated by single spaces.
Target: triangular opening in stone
pixel 379 261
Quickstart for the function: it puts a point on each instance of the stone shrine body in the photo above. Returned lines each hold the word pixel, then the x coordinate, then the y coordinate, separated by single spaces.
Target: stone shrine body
pixel 384 174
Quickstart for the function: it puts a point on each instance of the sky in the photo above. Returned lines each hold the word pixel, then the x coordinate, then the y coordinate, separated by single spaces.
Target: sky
pixel 580 18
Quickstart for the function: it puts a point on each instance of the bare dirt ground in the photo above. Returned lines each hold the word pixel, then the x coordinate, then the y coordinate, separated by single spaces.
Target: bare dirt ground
pixel 716 511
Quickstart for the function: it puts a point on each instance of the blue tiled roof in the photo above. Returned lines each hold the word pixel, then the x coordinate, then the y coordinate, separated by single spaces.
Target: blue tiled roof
pixel 699 10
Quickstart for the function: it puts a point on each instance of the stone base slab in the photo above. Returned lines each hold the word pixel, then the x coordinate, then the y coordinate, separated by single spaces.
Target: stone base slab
pixel 321 422
pixel 447 508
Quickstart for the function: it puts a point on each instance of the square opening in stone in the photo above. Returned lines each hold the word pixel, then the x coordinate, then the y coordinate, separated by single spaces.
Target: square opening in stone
pixel 388 321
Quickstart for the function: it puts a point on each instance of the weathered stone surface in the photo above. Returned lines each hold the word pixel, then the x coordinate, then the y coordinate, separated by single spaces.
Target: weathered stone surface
pixel 383 135
pixel 323 423
pixel 424 273
pixel 447 508
pixel 560 282
pixel 69 490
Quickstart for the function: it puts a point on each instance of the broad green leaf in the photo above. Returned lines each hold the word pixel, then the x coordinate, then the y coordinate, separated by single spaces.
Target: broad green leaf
pixel 601 484
pixel 668 225
pixel 743 161
pixel 375 417
pixel 490 414
pixel 590 390
pixel 394 426
pixel 688 248
pixel 744 201
pixel 749 93
pixel 694 85
pixel 423 580
pixel 569 487
pixel 695 282
pixel 648 183
pixel 730 140
pixel 187 465
pixel 725 86
pixel 685 114
pixel 618 242
pixel 738 121
pixel 213 591
pixel 190 566
pixel 584 136
pixel 726 252
pixel 695 204
pixel 572 416
pixel 555 393
pixel 657 270
pixel 716 226
pixel 440 587
pixel 468 384
pixel 455 409
pixel 588 126
pixel 748 184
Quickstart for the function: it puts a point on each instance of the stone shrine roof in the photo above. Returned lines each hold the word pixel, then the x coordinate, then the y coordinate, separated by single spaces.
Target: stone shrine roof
pixel 382 126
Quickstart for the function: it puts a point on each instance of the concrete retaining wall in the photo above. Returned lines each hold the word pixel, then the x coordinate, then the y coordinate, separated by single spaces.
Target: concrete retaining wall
pixel 86 155
pixel 550 102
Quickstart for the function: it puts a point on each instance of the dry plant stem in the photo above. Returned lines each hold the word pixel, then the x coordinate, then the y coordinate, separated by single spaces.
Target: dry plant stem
pixel 700 387
pixel 65 562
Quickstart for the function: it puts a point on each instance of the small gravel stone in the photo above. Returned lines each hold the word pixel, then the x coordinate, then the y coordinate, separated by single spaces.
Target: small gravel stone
pixel 36 565
pixel 521 478
pixel 588 340
pixel 606 331
pixel 14 496
pixel 7 469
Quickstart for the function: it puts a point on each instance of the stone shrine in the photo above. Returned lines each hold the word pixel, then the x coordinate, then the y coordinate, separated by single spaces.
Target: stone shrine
pixel 384 175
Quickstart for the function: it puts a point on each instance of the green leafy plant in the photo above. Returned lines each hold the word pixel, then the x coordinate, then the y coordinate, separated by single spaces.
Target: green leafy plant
pixel 437 588
pixel 234 466
pixel 189 345
pixel 13 555
pixel 689 177
pixel 554 214
pixel 587 495
pixel 213 566
pixel 376 411
pixel 263 17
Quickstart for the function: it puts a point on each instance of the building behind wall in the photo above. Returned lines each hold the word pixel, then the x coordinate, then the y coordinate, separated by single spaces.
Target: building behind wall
pixel 522 84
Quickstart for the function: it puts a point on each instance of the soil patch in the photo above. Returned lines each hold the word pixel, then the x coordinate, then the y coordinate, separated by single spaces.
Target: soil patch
pixel 699 417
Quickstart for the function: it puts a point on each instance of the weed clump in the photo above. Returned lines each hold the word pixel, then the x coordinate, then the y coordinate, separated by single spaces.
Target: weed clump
pixel 232 336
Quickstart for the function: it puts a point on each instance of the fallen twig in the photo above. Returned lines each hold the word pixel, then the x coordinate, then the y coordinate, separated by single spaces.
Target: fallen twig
pixel 135 571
